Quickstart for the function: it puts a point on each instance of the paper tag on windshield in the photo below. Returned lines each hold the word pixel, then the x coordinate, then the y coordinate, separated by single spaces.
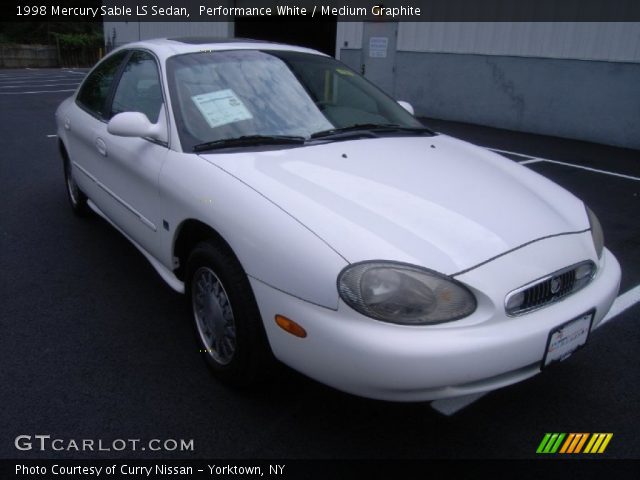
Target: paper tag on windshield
pixel 221 107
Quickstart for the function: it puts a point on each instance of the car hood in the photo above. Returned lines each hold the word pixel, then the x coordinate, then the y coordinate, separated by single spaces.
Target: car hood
pixel 433 201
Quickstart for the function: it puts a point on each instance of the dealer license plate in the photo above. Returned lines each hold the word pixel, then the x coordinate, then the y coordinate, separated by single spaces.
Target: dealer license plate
pixel 567 338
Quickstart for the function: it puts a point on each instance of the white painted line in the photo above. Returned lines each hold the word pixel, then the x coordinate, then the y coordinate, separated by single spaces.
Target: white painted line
pixel 449 406
pixel 531 160
pixel 52 136
pixel 43 91
pixel 622 303
pixel 40 83
pixel 43 85
pixel 29 81
pixel 37 78
pixel 589 169
pixel 509 153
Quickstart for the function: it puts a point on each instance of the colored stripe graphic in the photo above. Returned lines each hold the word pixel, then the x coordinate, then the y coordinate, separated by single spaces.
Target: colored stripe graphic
pixel 598 442
pixel 581 441
pixel 574 442
pixel 544 441
pixel 567 443
pixel 604 445
pixel 550 443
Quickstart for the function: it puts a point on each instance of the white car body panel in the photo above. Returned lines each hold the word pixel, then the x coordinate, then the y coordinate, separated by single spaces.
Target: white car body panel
pixel 405 363
pixel 296 217
pixel 298 261
pixel 408 209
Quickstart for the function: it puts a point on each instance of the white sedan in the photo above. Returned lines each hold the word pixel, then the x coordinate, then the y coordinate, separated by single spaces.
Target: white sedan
pixel 308 216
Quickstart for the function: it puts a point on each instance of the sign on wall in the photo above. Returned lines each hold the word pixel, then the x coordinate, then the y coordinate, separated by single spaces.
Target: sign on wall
pixel 378 47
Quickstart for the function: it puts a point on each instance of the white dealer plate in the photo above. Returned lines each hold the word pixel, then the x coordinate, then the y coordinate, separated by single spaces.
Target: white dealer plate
pixel 567 338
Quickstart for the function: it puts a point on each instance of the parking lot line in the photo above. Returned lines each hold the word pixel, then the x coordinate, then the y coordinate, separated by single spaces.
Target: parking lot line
pixel 450 406
pixel 41 91
pixel 38 78
pixel 508 152
pixel 622 303
pixel 40 86
pixel 531 159
pixel 589 169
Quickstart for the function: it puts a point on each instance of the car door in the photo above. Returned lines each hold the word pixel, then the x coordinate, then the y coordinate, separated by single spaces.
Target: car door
pixel 131 165
pixel 83 123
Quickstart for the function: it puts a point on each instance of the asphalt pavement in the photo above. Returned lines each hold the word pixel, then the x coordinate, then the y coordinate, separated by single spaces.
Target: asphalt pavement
pixel 95 346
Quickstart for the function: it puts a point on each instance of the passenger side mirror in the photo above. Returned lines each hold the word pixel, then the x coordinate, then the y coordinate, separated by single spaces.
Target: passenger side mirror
pixel 136 124
pixel 407 106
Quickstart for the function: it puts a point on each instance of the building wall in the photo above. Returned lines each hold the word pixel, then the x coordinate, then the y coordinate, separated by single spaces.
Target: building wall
pixel 573 80
pixel 126 32
pixel 585 100
pixel 348 37
pixel 604 41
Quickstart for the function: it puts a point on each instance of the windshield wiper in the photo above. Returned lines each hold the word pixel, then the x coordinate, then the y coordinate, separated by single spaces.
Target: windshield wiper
pixel 249 141
pixel 369 128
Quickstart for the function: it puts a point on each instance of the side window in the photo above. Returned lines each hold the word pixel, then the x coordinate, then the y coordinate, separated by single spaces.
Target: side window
pixel 94 91
pixel 139 88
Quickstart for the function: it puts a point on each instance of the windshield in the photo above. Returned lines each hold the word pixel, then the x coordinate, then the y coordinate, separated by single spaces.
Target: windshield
pixel 236 93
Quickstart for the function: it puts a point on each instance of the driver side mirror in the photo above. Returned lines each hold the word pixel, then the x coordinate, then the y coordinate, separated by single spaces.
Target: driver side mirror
pixel 136 124
pixel 407 106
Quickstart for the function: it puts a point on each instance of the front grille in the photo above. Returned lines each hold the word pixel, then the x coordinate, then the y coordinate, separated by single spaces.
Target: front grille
pixel 549 289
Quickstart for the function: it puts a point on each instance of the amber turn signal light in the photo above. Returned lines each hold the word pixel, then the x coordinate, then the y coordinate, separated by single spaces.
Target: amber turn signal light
pixel 290 326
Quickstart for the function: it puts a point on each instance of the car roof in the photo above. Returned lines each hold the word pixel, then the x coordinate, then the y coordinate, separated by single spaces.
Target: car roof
pixel 168 47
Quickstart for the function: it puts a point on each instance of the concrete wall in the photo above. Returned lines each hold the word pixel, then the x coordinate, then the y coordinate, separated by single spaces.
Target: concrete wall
pixel 126 32
pixel 586 100
pixel 353 58
pixel 569 79
pixel 607 41
pixel 21 56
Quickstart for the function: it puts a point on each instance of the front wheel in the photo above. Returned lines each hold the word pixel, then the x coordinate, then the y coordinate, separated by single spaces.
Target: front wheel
pixel 226 316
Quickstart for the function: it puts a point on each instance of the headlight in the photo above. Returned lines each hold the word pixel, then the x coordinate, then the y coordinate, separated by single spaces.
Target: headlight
pixel 405 294
pixel 596 232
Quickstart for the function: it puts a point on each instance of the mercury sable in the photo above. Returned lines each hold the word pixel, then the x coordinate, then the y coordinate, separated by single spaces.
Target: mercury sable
pixel 309 217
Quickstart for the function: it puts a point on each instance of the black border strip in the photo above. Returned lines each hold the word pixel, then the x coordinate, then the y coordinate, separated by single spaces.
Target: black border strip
pixel 583 466
pixel 344 10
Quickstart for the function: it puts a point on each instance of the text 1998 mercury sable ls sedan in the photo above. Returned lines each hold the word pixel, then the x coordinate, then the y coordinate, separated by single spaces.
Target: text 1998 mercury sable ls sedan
pixel 309 216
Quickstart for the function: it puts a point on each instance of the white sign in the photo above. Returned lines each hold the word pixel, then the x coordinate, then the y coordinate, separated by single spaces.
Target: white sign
pixel 378 47
pixel 221 107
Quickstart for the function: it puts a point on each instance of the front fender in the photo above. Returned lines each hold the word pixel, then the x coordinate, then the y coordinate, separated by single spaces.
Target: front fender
pixel 271 245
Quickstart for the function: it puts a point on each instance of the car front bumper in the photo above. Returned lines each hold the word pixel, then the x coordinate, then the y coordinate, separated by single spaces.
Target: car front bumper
pixel 483 352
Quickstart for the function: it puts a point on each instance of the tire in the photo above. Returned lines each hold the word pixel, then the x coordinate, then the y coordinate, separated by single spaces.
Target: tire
pixel 77 198
pixel 226 317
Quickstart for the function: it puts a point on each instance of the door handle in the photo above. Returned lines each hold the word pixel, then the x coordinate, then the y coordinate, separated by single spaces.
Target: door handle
pixel 101 147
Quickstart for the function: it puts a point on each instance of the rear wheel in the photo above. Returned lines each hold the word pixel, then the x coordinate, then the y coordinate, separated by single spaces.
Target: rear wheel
pixel 77 198
pixel 226 316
